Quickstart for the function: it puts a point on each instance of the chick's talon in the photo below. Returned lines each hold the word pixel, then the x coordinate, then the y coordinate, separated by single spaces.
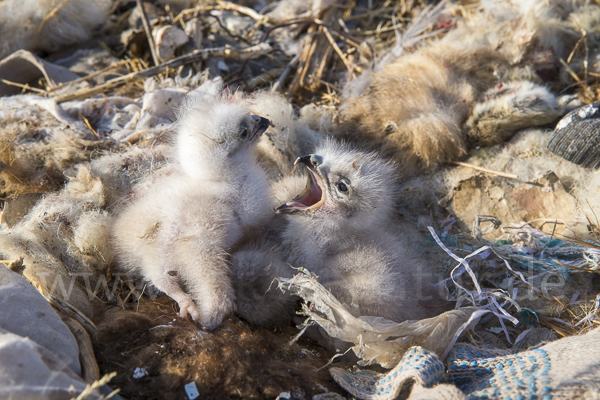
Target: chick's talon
pixel 188 307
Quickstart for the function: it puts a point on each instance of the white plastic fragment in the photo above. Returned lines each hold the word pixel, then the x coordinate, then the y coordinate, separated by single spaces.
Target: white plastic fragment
pixel 522 335
pixel 222 65
pixel 284 396
pixel 192 391
pixel 168 38
pixel 481 295
pixel 140 373
pixel 473 319
pixel 377 340
pixel 462 261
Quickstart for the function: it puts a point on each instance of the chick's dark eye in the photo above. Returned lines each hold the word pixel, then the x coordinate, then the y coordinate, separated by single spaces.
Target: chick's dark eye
pixel 244 131
pixel 342 187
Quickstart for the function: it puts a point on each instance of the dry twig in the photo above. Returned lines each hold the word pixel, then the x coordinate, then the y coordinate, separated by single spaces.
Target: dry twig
pixel 490 171
pixel 90 76
pixel 148 30
pixel 24 87
pixel 223 5
pixel 225 51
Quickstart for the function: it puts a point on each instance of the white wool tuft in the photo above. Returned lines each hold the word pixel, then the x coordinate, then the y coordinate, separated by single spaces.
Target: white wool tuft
pixel 48 24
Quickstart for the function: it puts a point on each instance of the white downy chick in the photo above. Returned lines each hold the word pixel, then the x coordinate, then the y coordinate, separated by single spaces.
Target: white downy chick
pixel 178 232
pixel 342 228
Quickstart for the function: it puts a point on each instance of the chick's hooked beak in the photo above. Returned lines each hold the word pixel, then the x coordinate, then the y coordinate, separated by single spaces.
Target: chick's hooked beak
pixel 260 126
pixel 313 194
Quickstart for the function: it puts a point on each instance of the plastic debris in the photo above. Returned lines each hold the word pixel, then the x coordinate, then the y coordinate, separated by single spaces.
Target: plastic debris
pixel 192 391
pixel 140 373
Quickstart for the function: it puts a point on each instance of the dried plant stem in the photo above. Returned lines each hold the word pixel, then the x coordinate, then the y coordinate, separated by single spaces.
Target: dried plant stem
pixel 90 389
pixel 68 309
pixel 87 123
pixel 577 268
pixel 226 5
pixel 285 73
pixel 225 51
pixel 51 15
pixel 90 76
pixel 265 77
pixel 490 171
pixel 573 74
pixel 338 50
pixel 148 30
pixel 223 5
pixel 24 87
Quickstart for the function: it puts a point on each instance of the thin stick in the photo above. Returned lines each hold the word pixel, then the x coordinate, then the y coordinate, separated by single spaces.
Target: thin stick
pixel 265 77
pixel 226 5
pixel 26 87
pixel 575 48
pixel 490 171
pixel 553 327
pixel 338 50
pixel 51 15
pixel 90 76
pixel 286 72
pixel 225 51
pixel 223 5
pixel 577 268
pixel 89 365
pixel 148 32
pixel 572 73
pixel 87 123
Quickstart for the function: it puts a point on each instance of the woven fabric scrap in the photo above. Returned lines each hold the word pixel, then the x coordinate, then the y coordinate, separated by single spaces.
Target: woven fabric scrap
pixel 564 369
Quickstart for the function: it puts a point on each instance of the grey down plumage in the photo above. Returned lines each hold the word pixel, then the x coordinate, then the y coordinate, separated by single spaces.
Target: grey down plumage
pixel 342 228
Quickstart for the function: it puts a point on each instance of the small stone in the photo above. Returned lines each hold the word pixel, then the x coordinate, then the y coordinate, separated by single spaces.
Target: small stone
pixel 328 396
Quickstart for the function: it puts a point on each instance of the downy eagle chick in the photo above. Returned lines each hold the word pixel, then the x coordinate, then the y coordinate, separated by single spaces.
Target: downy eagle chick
pixel 178 232
pixel 342 228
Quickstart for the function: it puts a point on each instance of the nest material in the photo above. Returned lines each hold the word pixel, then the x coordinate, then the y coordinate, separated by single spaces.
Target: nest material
pixel 308 54
pixel 234 361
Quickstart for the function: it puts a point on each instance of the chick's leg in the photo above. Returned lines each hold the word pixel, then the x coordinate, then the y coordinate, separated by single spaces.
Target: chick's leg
pixel 168 282
pixel 205 275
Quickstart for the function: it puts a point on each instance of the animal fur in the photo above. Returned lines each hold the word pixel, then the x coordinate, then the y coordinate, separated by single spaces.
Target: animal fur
pixel 507 109
pixel 38 141
pixel 431 106
pixel 64 238
pixel 524 155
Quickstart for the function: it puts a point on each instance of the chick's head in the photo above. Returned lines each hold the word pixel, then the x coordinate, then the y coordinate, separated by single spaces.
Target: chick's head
pixel 346 188
pixel 216 132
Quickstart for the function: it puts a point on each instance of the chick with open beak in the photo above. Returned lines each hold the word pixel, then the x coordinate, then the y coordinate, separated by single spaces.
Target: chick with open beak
pixel 342 228
pixel 312 196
